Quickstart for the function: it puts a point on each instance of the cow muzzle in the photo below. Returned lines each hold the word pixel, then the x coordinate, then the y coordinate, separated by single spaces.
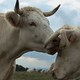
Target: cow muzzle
pixel 52 46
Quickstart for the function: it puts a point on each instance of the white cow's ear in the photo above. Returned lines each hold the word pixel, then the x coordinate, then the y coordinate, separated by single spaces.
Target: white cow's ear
pixel 12 18
pixel 64 42
pixel 72 38
pixel 67 37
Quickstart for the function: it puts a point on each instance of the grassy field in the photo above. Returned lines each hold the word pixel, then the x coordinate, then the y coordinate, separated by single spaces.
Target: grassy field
pixel 32 76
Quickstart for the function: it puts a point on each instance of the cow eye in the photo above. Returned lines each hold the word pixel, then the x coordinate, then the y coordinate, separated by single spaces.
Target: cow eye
pixel 32 24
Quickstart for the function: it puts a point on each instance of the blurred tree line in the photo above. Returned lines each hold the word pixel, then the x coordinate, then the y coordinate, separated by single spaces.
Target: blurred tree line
pixel 21 68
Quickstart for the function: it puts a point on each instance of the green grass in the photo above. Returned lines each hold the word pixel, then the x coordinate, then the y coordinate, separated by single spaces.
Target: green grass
pixel 32 76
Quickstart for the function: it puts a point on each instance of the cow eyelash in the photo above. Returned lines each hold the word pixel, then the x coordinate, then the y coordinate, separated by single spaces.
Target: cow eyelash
pixel 32 24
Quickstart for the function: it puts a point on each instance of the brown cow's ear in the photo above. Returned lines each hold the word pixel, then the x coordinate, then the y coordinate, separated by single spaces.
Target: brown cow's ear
pixel 12 18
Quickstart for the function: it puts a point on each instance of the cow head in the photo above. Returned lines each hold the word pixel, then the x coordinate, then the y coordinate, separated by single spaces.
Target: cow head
pixel 67 45
pixel 33 25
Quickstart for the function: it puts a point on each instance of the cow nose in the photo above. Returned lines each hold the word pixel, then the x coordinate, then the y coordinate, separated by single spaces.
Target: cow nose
pixel 53 44
pixel 48 46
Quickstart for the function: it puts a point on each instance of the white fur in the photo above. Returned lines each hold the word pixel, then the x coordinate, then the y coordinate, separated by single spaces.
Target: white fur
pixel 67 64
pixel 14 41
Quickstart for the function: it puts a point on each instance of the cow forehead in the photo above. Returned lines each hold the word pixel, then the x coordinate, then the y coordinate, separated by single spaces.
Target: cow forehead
pixel 28 9
pixel 34 14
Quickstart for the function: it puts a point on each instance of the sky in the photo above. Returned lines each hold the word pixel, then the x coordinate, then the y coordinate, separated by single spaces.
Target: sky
pixel 68 14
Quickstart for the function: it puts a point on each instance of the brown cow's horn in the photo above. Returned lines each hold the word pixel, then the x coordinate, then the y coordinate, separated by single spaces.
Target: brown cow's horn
pixel 16 9
pixel 51 12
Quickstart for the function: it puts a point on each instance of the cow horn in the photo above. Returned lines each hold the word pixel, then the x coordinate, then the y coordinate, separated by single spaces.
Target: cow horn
pixel 51 12
pixel 16 9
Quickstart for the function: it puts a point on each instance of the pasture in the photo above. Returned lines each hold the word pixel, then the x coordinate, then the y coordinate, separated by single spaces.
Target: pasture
pixel 32 76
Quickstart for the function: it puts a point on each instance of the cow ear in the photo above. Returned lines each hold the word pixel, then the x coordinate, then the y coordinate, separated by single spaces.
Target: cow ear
pixel 72 38
pixel 12 18
pixel 67 37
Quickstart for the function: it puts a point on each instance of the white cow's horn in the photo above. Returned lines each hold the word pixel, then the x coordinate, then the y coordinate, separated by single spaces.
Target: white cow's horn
pixel 16 9
pixel 51 12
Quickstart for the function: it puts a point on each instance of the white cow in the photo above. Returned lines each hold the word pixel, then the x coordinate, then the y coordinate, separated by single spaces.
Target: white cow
pixel 21 31
pixel 66 41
